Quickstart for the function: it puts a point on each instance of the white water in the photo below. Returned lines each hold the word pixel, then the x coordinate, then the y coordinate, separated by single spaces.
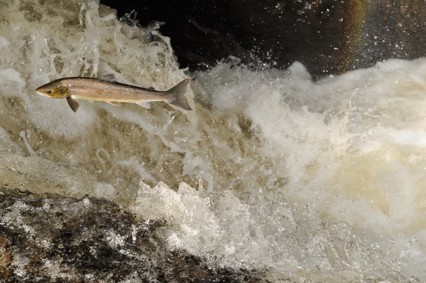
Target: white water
pixel 313 181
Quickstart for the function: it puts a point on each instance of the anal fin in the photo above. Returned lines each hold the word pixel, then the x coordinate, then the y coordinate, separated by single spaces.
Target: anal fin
pixel 145 104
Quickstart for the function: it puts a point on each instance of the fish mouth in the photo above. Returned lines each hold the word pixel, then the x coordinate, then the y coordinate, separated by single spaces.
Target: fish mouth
pixel 43 92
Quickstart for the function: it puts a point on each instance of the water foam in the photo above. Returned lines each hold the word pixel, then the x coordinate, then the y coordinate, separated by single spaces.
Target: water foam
pixel 350 146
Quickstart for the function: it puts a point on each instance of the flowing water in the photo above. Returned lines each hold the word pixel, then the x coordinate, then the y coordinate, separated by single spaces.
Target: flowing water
pixel 313 181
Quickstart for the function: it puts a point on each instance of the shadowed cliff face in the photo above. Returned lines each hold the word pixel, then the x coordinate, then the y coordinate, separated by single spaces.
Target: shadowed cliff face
pixel 329 37
pixel 51 237
pixel 392 29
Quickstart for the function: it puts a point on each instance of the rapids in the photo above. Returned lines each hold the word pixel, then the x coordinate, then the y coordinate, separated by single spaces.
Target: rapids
pixel 313 181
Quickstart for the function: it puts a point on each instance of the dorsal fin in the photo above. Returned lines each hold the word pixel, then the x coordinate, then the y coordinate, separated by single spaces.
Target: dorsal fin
pixel 108 77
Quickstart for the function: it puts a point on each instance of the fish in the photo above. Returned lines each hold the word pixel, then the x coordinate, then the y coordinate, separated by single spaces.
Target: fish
pixel 115 93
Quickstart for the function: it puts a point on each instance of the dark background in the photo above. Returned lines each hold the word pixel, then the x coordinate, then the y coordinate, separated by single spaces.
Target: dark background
pixel 327 36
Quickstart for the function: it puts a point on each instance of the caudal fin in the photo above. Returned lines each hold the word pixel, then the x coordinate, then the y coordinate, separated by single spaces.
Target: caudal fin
pixel 179 94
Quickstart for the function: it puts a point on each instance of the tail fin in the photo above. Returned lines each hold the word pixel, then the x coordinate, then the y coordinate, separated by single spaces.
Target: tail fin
pixel 178 93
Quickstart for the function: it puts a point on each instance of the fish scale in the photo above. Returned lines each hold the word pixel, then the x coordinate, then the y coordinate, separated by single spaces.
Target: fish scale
pixel 74 88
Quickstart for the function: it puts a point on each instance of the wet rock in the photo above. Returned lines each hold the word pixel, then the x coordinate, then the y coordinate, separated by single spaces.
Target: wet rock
pixel 51 238
pixel 329 37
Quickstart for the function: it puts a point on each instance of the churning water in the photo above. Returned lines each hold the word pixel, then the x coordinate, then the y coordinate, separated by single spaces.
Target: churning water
pixel 314 181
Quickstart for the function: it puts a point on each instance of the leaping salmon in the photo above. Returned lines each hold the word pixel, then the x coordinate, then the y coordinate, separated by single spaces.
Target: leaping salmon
pixel 73 88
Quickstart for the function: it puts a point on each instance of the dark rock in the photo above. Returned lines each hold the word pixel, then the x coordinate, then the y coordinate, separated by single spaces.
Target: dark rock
pixel 329 37
pixel 52 238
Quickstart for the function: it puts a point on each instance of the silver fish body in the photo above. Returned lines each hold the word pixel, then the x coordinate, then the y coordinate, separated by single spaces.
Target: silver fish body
pixel 92 89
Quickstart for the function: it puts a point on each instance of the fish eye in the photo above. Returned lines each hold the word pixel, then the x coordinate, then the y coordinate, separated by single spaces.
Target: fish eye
pixel 49 91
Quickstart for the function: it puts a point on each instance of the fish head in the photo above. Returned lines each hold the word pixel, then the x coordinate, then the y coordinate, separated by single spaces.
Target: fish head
pixel 54 89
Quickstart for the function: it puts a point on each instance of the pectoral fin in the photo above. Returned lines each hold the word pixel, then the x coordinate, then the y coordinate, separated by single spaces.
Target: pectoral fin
pixel 73 104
